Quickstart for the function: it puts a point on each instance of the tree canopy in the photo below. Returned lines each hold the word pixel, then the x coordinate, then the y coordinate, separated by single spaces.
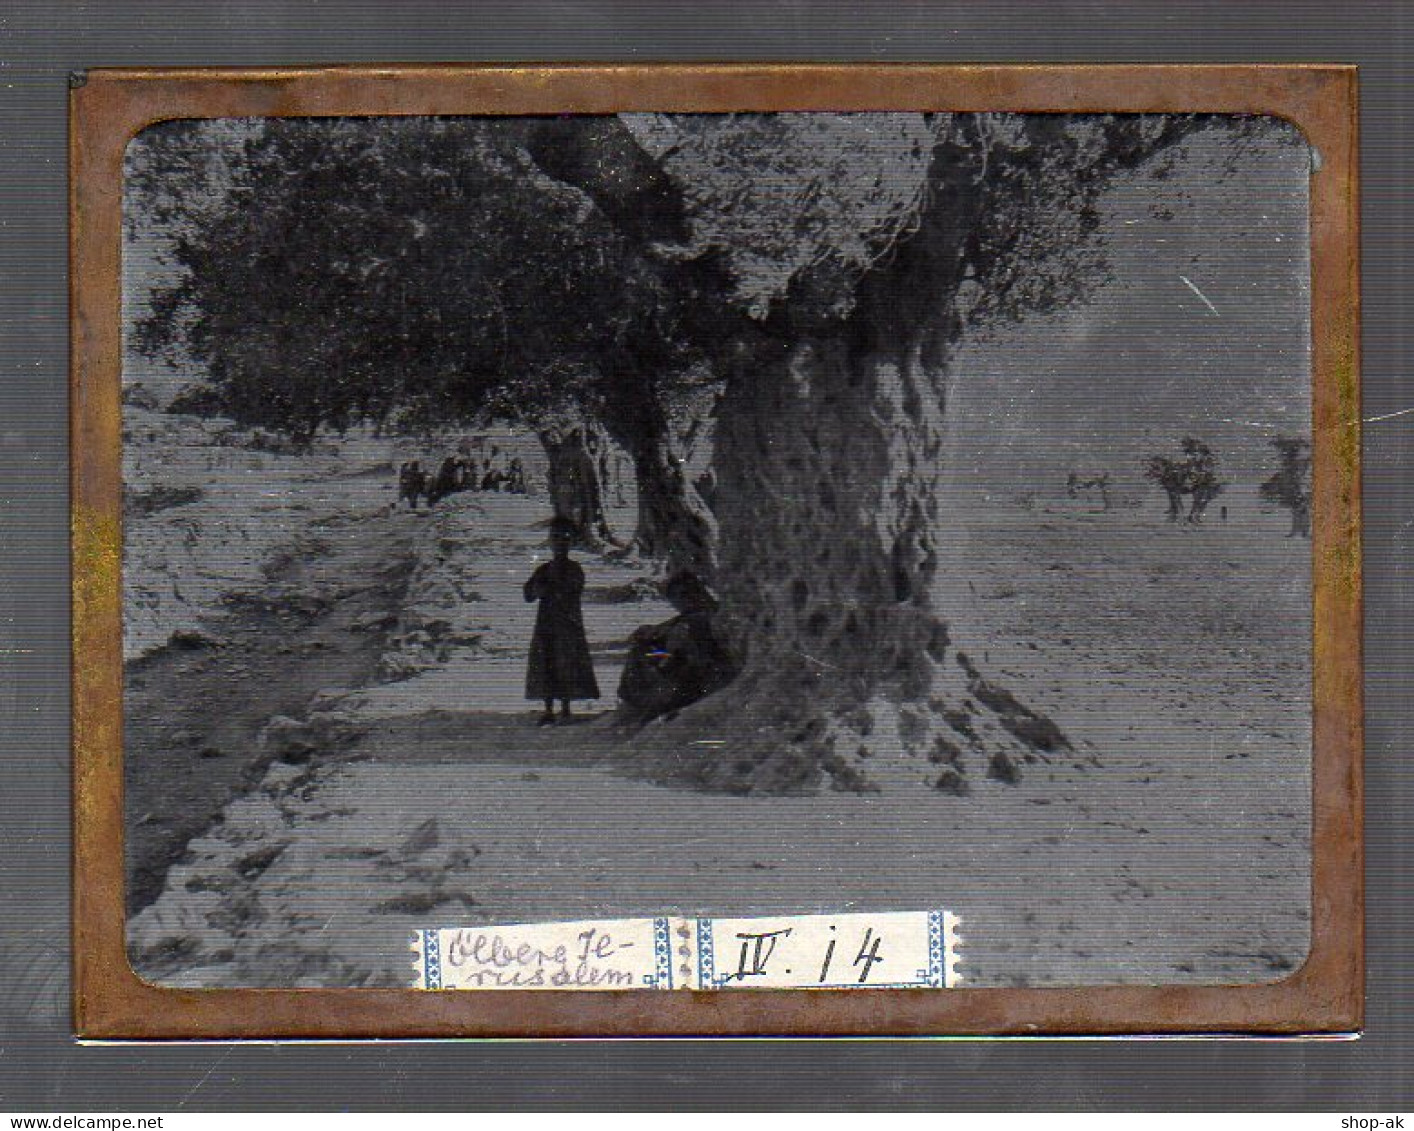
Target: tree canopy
pixel 430 271
pixel 335 270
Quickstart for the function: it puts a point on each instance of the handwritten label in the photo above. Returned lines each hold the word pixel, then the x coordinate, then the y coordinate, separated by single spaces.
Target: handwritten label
pixel 854 951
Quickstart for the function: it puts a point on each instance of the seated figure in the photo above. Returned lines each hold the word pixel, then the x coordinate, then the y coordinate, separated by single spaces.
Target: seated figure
pixel 679 661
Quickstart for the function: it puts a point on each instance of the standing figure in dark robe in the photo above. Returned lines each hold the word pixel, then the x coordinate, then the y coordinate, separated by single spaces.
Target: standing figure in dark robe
pixel 412 483
pixel 560 664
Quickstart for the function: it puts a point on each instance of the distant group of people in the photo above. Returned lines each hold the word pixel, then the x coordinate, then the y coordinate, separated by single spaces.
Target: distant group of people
pixel 460 473
pixel 669 665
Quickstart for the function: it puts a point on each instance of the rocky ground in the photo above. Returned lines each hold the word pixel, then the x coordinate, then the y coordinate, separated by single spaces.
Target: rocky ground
pixel 339 753
pixel 198 712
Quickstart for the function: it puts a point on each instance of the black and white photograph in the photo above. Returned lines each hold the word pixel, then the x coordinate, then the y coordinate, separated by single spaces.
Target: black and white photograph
pixel 544 519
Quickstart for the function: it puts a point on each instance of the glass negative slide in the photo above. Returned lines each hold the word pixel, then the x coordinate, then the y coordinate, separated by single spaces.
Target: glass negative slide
pixel 753 550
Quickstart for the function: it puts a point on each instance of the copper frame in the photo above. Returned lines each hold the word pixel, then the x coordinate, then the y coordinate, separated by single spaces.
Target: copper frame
pixel 108 107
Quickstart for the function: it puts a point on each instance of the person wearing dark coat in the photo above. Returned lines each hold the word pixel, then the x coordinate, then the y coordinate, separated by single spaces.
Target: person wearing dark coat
pixel 678 662
pixel 445 483
pixel 560 666
pixel 412 483
pixel 491 480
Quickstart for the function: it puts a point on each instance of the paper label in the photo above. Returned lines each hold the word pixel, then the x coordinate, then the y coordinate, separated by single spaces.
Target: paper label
pixel 897 949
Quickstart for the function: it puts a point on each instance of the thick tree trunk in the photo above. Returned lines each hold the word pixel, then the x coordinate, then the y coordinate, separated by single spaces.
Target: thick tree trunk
pixel 828 497
pixel 675 525
pixel 829 469
pixel 829 500
pixel 573 483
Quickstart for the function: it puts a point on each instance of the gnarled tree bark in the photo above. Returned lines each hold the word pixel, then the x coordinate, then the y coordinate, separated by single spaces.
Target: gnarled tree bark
pixel 675 525
pixel 828 461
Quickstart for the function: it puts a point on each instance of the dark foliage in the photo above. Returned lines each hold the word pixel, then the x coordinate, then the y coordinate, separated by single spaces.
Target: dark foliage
pixel 198 400
pixel 426 274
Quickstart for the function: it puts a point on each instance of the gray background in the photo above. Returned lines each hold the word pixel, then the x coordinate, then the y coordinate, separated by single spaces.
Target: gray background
pixel 41 1068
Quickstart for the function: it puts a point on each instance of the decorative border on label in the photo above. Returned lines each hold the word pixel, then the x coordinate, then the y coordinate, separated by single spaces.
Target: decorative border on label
pixel 672 937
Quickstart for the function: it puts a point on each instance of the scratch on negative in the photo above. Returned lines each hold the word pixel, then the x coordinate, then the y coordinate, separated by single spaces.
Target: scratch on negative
pixel 205 1076
pixel 1189 284
pixel 1388 415
pixel 816 660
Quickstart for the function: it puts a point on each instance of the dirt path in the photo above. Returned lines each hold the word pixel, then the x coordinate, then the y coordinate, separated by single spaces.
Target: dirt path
pixel 450 807
pixel 194 710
